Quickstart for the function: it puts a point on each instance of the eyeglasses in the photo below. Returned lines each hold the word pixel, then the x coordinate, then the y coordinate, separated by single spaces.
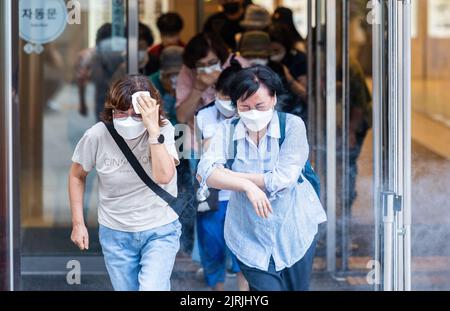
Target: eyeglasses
pixel 123 115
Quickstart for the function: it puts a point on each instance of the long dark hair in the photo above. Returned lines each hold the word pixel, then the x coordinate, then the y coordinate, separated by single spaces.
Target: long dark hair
pixel 281 34
pixel 120 92
pixel 285 16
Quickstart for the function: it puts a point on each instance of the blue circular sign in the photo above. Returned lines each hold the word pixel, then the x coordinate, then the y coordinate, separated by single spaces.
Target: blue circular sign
pixel 42 21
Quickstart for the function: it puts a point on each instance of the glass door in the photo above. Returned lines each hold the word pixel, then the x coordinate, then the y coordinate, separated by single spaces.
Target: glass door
pixel 69 52
pixel 392 143
pixel 359 131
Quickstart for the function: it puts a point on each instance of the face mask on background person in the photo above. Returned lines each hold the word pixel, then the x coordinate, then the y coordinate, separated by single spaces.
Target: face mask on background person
pixel 258 61
pixel 278 57
pixel 279 52
pixel 256 120
pixel 231 8
pixel 142 58
pixel 209 69
pixel 173 81
pixel 129 128
pixel 225 107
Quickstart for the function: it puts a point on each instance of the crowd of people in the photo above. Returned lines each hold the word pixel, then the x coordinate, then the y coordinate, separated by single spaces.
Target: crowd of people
pixel 240 89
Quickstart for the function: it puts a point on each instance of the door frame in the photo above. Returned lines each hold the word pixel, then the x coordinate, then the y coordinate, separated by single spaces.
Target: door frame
pixel 10 139
pixel 392 142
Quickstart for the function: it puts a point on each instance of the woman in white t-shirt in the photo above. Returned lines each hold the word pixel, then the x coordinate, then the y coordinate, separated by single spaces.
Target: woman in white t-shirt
pixel 139 232
pixel 210 223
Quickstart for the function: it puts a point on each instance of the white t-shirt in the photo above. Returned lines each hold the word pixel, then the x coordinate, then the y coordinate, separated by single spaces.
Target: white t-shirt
pixel 208 120
pixel 125 202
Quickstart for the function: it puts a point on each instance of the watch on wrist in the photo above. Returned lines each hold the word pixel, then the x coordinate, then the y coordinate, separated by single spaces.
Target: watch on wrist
pixel 157 140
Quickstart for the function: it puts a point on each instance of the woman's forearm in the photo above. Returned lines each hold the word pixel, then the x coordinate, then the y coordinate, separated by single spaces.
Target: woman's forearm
pixel 299 88
pixel 257 179
pixel 223 180
pixel 76 195
pixel 163 165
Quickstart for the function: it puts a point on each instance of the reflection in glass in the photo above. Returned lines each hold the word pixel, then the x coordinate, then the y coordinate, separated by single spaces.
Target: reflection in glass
pixel 62 92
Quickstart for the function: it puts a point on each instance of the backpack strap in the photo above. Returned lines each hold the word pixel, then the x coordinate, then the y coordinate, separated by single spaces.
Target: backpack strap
pixel 232 144
pixel 282 122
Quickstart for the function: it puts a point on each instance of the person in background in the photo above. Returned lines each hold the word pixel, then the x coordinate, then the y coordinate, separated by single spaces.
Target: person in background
pixel 203 59
pixel 272 219
pixel 165 80
pixel 226 24
pixel 256 48
pixel 210 223
pixel 285 16
pixel 106 64
pixel 170 26
pixel 148 63
pixel 256 18
pixel 284 51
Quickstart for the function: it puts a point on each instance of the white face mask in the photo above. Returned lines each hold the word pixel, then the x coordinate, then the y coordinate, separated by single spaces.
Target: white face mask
pixel 258 61
pixel 129 128
pixel 278 57
pixel 225 107
pixel 256 120
pixel 142 58
pixel 209 69
pixel 173 81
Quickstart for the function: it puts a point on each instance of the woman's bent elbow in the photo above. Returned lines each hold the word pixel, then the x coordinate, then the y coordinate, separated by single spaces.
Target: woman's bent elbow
pixel 166 178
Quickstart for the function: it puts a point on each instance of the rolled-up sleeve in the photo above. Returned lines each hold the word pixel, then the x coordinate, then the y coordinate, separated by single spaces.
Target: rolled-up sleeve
pixel 85 152
pixel 217 154
pixel 291 159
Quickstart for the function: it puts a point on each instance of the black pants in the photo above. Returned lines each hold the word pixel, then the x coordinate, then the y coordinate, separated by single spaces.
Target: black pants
pixel 295 278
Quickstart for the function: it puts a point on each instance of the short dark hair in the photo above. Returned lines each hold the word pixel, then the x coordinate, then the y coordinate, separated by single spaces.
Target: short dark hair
pixel 170 23
pixel 223 84
pixel 104 32
pixel 248 81
pixel 145 33
pixel 199 46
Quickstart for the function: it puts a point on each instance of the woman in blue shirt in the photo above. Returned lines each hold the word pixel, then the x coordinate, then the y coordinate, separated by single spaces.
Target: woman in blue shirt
pixel 272 220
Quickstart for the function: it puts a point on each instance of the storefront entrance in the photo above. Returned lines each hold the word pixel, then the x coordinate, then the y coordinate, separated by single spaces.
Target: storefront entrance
pixel 374 164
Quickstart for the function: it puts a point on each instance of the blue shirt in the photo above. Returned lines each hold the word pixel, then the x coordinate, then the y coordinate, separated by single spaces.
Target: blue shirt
pixel 289 231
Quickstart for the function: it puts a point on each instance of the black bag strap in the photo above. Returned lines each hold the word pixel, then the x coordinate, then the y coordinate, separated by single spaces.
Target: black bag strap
pixel 137 167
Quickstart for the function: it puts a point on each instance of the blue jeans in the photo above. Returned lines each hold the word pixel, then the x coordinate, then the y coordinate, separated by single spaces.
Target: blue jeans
pixel 140 260
pixel 212 247
pixel 295 278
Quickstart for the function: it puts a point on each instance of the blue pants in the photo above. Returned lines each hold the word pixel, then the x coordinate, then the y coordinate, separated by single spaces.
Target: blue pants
pixel 141 260
pixel 295 278
pixel 212 247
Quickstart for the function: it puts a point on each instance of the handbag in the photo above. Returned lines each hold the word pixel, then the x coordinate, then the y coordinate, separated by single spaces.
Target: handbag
pixel 181 204
pixel 207 199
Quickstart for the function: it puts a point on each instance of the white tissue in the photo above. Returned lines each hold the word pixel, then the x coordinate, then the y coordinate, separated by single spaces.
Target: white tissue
pixel 135 102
